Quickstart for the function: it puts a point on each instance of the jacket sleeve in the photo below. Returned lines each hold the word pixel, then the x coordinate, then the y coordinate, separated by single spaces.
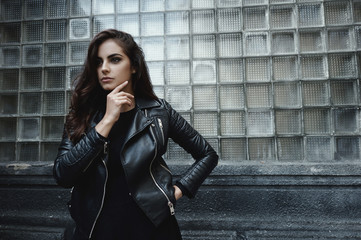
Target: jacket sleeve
pixel 206 159
pixel 72 161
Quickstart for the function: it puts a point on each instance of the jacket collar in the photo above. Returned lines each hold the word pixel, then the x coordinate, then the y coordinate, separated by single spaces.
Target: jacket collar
pixel 144 103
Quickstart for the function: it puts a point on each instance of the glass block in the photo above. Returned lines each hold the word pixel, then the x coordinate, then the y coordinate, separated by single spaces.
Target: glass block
pixel 9 79
pixel 260 123
pixel 29 129
pixel 7 151
pixel 10 10
pixel 72 73
pixel 152 24
pixel 48 151
pixel 233 123
pixel 282 17
pixel 284 68
pixel 31 79
pixel 287 94
pixel 52 128
pixel 283 42
pixel 358 36
pixel 177 4
pixel 204 72
pixel 337 12
pixel 256 44
pixel 33 31
pixel 281 1
pixel 288 121
pixel 254 2
pixel 30 103
pixel 203 21
pixel 32 55
pixel 203 4
pixel 55 78
pixel 205 97
pixel 129 23
pixel 10 33
pixel 230 70
pixel 228 3
pixel 7 129
pixel 257 70
pixel 345 120
pixel 315 93
pixel 177 47
pixel 206 123
pixel 179 97
pixel 259 95
pixel 56 30
pixel 310 15
pixel 317 121
pixel 356 11
pixel 79 28
pixel 341 65
pixel 103 6
pixel 54 103
pixel 151 5
pixel 156 72
pixel 56 8
pixel 101 23
pixel 127 6
pixel 34 9
pixel 311 41
pixel 55 54
pixel 339 39
pixel 80 8
pixel 261 149
pixel 9 56
pixel 28 152
pixel 204 46
pixel 232 97
pixel 159 91
pixel 8 103
pixel 313 67
pixel 78 51
pixel 344 92
pixel 153 48
pixel 233 149
pixel 289 149
pixel 230 45
pixel 177 73
pixel 229 20
pixel 176 152
pixel 318 149
pixel 255 18
pixel 177 23
pixel 347 148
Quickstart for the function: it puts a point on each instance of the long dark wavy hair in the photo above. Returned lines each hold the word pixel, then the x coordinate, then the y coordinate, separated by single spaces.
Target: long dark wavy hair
pixel 88 96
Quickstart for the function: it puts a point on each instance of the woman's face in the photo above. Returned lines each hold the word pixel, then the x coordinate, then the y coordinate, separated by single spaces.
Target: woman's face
pixel 113 66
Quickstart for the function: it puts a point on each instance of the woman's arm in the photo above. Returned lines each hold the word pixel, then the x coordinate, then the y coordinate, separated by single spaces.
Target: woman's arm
pixel 206 159
pixel 72 161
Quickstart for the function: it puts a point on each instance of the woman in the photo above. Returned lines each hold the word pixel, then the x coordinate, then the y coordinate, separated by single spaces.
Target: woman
pixel 111 152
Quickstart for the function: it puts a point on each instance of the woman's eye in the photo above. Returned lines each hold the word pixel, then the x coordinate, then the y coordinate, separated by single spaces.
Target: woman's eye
pixel 98 62
pixel 115 60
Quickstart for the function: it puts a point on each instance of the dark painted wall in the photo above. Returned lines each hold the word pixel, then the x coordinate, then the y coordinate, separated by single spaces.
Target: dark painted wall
pixel 236 202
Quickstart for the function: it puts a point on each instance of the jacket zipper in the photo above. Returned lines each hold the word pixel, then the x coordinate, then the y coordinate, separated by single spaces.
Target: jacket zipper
pixel 103 197
pixel 161 128
pixel 170 204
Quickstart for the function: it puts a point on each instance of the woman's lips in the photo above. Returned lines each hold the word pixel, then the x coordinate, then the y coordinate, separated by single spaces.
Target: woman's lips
pixel 106 79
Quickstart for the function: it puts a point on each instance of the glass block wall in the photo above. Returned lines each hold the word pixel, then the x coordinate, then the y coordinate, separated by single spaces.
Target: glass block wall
pixel 263 80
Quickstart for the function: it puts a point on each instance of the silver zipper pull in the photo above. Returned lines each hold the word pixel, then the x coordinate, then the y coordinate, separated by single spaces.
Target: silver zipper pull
pixel 171 207
pixel 160 123
pixel 106 148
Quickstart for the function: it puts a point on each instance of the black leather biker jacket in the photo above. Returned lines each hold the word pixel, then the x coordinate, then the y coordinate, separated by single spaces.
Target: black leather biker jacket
pixel 83 165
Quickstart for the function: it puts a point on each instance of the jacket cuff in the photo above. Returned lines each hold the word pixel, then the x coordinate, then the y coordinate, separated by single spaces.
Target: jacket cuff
pixel 184 190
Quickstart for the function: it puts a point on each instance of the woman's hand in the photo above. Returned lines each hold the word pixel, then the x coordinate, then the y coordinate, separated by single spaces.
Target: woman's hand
pixel 117 102
pixel 177 193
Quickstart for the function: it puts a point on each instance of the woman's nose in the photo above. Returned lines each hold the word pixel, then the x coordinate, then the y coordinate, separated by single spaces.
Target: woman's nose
pixel 105 67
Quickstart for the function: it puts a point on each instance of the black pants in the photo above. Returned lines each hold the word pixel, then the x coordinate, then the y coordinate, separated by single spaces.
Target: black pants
pixel 128 222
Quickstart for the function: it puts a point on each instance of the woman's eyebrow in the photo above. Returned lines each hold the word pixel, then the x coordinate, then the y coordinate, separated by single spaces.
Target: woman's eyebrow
pixel 114 54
